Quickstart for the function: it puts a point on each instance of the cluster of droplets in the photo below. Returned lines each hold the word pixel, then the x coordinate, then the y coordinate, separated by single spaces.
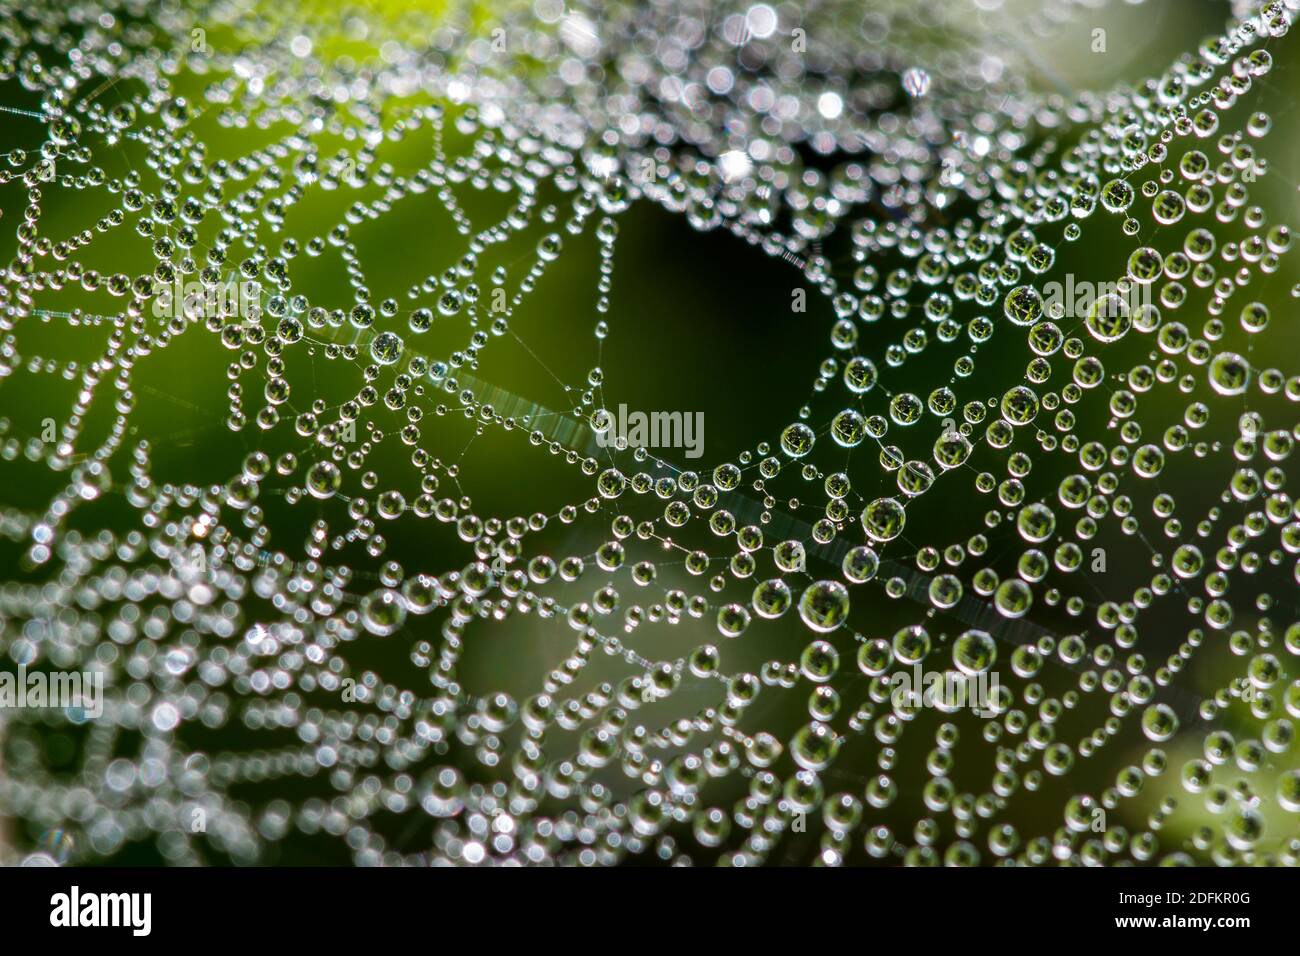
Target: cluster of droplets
pixel 234 622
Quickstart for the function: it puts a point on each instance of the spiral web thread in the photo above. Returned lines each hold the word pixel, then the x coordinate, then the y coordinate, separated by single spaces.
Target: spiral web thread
pixel 952 186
